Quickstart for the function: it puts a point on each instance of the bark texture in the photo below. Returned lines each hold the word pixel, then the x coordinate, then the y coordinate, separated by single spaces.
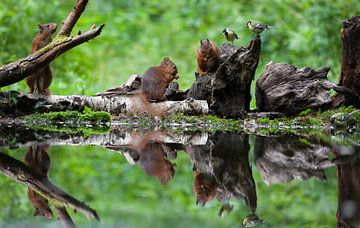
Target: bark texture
pixel 21 104
pixel 350 67
pixel 227 89
pixel 72 18
pixel 286 89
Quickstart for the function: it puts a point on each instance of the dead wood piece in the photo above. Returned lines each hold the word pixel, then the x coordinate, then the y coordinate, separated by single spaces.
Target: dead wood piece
pixel 201 88
pixel 17 103
pixel 286 89
pixel 71 20
pixel 231 92
pixel 350 67
pixel 132 84
pixel 227 89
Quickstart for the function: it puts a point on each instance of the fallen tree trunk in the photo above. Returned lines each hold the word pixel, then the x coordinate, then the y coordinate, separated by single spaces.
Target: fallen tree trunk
pixel 20 69
pixel 350 67
pixel 20 104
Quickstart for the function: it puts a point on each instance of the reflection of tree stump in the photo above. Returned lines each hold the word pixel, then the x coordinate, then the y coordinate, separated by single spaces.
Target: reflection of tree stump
pixel 350 68
pixel 227 89
pixel 230 162
pixel 284 158
pixel 348 173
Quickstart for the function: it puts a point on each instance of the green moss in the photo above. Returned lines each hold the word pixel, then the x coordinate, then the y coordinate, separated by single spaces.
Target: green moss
pixel 70 122
pixel 305 112
pixel 307 121
pixel 88 115
pixel 181 123
pixel 209 123
pixel 306 142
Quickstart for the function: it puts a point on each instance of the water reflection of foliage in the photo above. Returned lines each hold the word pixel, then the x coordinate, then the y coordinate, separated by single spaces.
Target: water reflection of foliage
pixel 294 156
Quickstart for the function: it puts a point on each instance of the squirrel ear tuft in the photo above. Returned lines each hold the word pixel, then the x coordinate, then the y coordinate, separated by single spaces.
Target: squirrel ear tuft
pixel 201 42
pixel 40 27
pixel 207 40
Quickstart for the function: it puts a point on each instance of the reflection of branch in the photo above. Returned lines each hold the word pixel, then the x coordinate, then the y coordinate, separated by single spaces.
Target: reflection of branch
pixel 64 217
pixel 118 137
pixel 19 172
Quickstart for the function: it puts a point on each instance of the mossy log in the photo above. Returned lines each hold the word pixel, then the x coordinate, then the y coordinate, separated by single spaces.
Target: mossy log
pixel 14 103
pixel 227 89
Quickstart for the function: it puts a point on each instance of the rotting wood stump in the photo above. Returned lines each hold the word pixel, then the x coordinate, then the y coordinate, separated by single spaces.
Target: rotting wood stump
pixel 227 90
pixel 286 89
pixel 350 67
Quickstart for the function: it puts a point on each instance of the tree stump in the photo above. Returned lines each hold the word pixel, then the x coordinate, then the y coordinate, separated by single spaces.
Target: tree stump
pixel 227 89
pixel 286 89
pixel 350 67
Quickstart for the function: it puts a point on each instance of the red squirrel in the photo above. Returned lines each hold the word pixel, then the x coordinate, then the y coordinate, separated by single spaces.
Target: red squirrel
pixel 40 81
pixel 208 55
pixel 38 160
pixel 156 79
pixel 204 187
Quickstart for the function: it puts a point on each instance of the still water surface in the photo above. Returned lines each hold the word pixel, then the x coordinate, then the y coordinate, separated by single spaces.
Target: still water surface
pixel 139 178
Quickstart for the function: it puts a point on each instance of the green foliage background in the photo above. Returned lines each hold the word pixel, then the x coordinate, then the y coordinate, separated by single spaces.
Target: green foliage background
pixel 140 33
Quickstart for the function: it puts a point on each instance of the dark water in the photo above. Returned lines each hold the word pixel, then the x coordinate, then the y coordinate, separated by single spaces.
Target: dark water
pixel 139 178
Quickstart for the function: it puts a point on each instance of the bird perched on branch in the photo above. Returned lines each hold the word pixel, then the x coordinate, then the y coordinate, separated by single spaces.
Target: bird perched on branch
pixel 230 35
pixel 257 27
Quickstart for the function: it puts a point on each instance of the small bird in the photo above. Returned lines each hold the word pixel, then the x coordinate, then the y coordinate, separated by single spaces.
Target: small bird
pixel 230 35
pixel 257 27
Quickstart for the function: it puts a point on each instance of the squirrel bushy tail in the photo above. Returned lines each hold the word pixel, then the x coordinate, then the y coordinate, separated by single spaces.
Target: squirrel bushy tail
pixel 140 104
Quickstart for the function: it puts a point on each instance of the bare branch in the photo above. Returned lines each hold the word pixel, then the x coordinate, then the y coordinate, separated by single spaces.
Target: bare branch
pixel 71 20
pixel 17 71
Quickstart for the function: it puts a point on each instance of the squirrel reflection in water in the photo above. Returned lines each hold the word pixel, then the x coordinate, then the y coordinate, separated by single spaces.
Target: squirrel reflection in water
pixel 37 158
pixel 150 154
